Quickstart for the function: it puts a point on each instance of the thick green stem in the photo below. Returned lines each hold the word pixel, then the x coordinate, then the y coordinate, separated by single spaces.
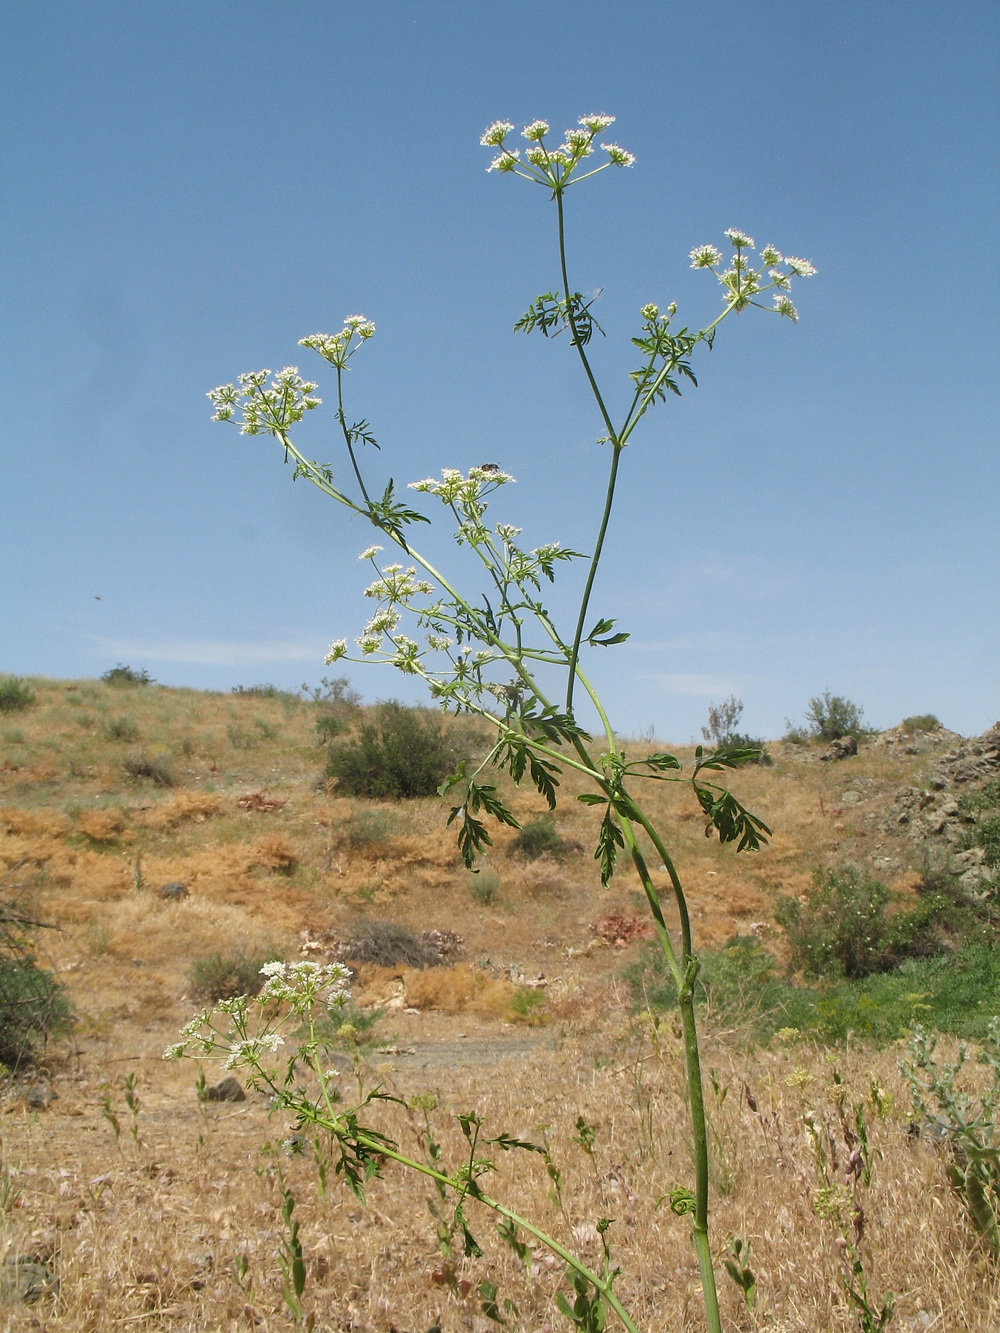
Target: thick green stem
pixel 684 972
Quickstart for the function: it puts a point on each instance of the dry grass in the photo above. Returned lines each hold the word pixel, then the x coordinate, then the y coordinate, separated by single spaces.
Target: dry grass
pixel 145 1234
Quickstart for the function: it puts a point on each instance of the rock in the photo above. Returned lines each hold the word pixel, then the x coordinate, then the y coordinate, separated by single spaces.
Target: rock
pixel 174 891
pixel 841 748
pixel 26 1280
pixel 37 1096
pixel 229 1090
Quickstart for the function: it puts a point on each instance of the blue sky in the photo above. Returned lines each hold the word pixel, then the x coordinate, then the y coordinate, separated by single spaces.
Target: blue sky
pixel 190 188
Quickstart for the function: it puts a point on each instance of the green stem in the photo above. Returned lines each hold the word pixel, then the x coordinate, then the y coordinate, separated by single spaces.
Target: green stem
pixel 616 447
pixel 376 1146
pixel 684 973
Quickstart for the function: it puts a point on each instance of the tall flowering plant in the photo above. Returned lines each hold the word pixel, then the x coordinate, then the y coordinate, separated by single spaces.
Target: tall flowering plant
pixel 487 652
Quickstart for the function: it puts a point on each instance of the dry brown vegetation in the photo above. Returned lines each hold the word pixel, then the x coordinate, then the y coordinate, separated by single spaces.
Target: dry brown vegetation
pixel 145 1231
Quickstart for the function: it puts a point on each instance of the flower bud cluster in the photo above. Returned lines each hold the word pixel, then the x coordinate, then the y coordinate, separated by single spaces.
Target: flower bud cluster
pixel 262 408
pixel 745 279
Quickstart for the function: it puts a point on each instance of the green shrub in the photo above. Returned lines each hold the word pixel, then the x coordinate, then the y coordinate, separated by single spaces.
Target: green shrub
pixel 222 976
pixel 398 753
pixel 258 691
pixel 145 769
pixel 33 1004
pixel 540 837
pixel 371 829
pixel 33 1007
pixel 830 716
pixel 920 722
pixel 841 927
pixel 844 926
pixel 985 805
pixel 15 694
pixel 121 729
pixel 125 675
pixel 388 945
pixel 741 989
pixel 484 886
pixel 721 732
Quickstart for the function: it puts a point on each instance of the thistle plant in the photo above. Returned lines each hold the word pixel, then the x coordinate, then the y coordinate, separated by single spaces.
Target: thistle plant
pixel 493 650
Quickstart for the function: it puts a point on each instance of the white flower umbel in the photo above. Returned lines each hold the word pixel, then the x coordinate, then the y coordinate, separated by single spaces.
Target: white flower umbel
pixel 265 408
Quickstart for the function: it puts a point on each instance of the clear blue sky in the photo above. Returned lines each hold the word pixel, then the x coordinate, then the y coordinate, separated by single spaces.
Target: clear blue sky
pixel 191 187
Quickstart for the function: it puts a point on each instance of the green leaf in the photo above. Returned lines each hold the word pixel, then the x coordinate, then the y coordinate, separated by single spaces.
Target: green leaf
pixel 609 840
pixel 731 820
pixel 662 761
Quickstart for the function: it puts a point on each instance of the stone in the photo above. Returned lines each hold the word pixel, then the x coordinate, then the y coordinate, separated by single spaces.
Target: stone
pixel 26 1280
pixel 229 1090
pixel 174 891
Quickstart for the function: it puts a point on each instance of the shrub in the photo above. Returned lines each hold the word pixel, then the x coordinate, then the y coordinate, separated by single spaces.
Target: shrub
pixel 121 729
pixel 15 694
pixel 398 754
pixel 258 691
pixel 721 733
pixel 829 717
pixel 371 830
pixel 839 927
pixel 843 926
pixel 33 1005
pixel 484 886
pixel 920 722
pixel 125 675
pixel 222 976
pixel 388 945
pixel 144 769
pixel 540 837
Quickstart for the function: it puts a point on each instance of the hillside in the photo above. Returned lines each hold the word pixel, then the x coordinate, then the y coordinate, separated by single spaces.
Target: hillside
pixel 157 828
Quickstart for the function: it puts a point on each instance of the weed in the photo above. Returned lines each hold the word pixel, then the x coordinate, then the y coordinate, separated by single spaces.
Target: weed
pixel 527 1005
pixel 387 944
pixel 15 694
pixel 920 722
pixel 484 886
pixel 257 691
pixel 144 768
pixel 121 675
pixel 540 837
pixel 371 830
pixel 222 976
pixel 971 1130
pixel 121 729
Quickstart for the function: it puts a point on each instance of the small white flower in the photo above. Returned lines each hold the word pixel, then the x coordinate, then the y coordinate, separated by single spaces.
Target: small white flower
pixel 505 161
pixel 275 969
pixel 536 156
pixel 596 123
pixel 496 133
pixel 705 256
pixel 650 311
pixel 337 650
pixel 800 267
pixel 738 237
pixel 783 305
pixel 619 157
pixel 536 131
pixel 769 255
pixel 369 551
